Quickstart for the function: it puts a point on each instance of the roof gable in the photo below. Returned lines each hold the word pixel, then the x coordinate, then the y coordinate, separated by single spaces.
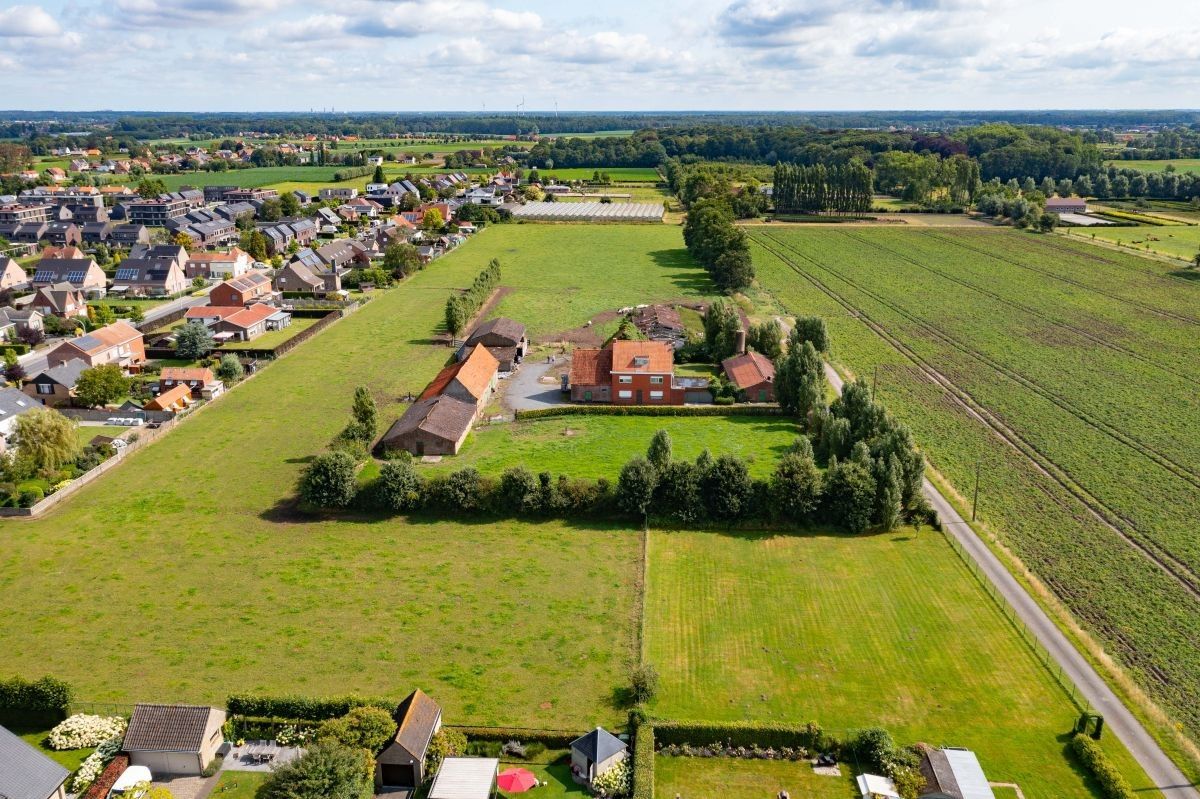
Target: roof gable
pixel 417 716
pixel 598 745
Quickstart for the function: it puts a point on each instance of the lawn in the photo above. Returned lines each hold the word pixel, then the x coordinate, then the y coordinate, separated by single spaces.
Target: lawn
pixel 848 631
pixel 1180 241
pixel 1076 350
pixel 36 737
pixel 728 778
pixel 238 784
pixel 1180 164
pixel 618 174
pixel 556 776
pixel 85 433
pixel 273 338
pixel 222 587
pixel 598 446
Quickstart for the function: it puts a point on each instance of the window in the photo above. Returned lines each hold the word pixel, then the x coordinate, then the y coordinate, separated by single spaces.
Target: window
pixel 656 395
pixel 626 379
pixel 656 380
pixel 625 394
pixel 45 388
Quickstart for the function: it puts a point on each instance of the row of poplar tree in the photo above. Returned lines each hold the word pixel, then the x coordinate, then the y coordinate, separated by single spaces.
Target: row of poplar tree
pixel 842 188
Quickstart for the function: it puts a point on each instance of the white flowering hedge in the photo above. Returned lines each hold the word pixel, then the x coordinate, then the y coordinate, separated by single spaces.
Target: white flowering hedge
pixel 83 731
pixel 616 782
pixel 93 766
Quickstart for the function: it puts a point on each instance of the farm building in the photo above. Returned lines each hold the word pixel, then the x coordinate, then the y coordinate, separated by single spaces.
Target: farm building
pixel 590 212
pixel 595 753
pixel 472 379
pixel 173 739
pixel 953 773
pixel 504 338
pixel 434 426
pixel 660 323
pixel 401 764
pixel 753 374
pixel 1066 205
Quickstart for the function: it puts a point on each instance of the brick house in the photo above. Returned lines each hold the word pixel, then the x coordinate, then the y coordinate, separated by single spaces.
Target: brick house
pixel 251 287
pixel 753 374
pixel 118 343
pixel 627 373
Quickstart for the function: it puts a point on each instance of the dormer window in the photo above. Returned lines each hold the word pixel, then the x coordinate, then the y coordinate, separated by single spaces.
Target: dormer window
pixel 641 360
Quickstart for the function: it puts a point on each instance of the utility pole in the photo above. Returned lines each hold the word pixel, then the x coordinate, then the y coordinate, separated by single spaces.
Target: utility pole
pixel 975 502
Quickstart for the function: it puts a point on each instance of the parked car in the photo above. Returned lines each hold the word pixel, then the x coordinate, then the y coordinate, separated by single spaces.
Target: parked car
pixel 130 778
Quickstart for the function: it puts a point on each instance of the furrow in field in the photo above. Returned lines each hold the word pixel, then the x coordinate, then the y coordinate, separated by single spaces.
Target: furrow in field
pixel 1112 519
pixel 1161 459
pixel 1059 322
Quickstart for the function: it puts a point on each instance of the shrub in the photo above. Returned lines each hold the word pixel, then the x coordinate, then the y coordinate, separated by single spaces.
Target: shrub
pixel 519 491
pixel 300 707
pixel 726 488
pixel 47 697
pixel 83 731
pixel 104 783
pixel 324 771
pixel 873 747
pixel 363 727
pixel 447 742
pixel 743 733
pixel 398 487
pixel 645 683
pixel 93 764
pixel 513 749
pixel 1112 782
pixel 616 782
pixel 635 487
pixel 643 762
pixel 329 481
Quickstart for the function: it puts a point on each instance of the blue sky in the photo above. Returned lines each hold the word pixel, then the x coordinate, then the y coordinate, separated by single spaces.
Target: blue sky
pixel 388 55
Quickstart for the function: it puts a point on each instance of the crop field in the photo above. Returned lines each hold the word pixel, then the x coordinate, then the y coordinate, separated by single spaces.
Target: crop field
pixel 854 631
pixel 699 778
pixel 1179 241
pixel 598 446
pixel 187 575
pixel 1056 366
pixel 1180 164
pixel 249 178
pixel 619 174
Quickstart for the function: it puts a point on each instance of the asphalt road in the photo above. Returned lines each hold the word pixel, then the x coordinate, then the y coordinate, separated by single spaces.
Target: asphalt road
pixel 1117 718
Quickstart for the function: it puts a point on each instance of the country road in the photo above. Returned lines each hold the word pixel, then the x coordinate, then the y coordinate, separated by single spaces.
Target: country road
pixel 1165 775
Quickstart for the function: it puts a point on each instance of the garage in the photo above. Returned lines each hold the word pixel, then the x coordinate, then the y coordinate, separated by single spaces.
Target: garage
pixel 163 763
pixel 174 740
pixel 398 776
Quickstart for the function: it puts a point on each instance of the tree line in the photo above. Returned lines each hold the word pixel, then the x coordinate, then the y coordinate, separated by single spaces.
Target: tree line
pixel 718 245
pixel 460 307
pixel 843 188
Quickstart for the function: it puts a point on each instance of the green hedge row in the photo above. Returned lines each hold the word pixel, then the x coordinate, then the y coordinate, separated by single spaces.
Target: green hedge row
pixel 47 698
pixel 301 708
pixel 651 410
pixel 1112 783
pixel 741 733
pixel 643 762
pixel 17 347
pixel 552 739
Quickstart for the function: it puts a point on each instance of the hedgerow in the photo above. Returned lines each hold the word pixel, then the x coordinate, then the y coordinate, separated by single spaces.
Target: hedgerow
pixel 649 410
pixel 1097 763
pixel 643 762
pixel 304 708
pixel 47 698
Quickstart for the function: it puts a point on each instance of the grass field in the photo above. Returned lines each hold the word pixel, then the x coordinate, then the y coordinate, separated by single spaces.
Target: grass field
pixel 619 174
pixel 855 631
pixel 598 446
pixel 273 338
pixel 701 778
pixel 1180 241
pixel 1180 164
pixel 1074 352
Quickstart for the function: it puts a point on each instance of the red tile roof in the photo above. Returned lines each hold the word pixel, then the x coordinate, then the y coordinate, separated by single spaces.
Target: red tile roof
pixel 749 369
pixel 177 395
pixel 248 317
pixel 643 357
pixel 590 367
pixel 475 374
pixel 182 374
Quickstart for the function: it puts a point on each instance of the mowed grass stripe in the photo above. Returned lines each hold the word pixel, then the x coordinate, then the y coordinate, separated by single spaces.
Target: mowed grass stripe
pixel 855 631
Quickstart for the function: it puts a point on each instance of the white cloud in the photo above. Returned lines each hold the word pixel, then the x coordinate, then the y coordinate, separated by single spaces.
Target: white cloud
pixel 186 13
pixel 411 18
pixel 28 22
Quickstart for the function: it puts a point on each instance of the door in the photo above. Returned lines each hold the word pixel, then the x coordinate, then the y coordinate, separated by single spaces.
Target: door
pixel 420 447
pixel 762 395
pixel 639 396
pixel 398 775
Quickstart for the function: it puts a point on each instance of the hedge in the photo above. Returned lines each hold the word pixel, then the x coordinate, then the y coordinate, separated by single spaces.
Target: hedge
pixel 651 410
pixel 301 708
pixel 740 733
pixel 552 739
pixel 18 348
pixel 643 762
pixel 48 698
pixel 1112 783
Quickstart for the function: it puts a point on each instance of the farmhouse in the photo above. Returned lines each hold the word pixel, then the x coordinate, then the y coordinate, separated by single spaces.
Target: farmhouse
pixel 595 753
pixel 118 343
pixel 753 374
pixel 56 385
pixel 471 380
pixel 173 739
pixel 1066 205
pixel 27 773
pixel 401 764
pixel 504 338
pixel 434 426
pixel 628 373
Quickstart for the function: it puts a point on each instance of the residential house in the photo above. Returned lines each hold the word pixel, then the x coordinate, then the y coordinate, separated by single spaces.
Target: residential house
pixel 13 403
pixel 199 380
pixel 26 773
pixel 401 764
pixel 59 299
pixel 630 373
pixel 302 197
pixel 304 231
pixel 83 274
pixel 219 265
pixel 67 251
pixel 118 343
pixel 157 212
pixel 94 233
pixel 56 386
pixel 297 277
pixel 129 235
pixel 329 216
pixel 337 193
pixel 472 379
pixel 595 753
pixel 504 338
pixel 214 233
pixel 753 374
pixel 149 277
pixel 173 739
pixel 172 400
pixel 339 255
pixel 485 195
pixel 26 232
pixel 235 211
pixel 165 252
pixel 374 160
pixel 239 323
pixel 12 276
pixel 249 287
pixel 18 320
pixel 63 233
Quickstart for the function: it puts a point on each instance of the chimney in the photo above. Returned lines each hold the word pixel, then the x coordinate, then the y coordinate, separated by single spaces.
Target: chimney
pixel 740 342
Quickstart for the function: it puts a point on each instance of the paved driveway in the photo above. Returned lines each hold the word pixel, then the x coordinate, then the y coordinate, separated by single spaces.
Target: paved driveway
pixel 525 391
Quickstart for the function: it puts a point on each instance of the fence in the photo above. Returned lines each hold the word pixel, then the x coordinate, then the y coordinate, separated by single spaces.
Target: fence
pixel 1039 651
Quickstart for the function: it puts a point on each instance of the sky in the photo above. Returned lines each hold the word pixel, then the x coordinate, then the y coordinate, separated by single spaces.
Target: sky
pixel 597 55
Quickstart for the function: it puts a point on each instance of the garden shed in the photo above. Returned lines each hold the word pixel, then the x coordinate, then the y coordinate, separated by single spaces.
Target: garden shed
pixel 465 778
pixel 173 739
pixel 595 753
pixel 401 764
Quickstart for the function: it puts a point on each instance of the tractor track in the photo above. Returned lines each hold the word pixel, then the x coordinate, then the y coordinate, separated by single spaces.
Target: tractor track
pixel 1081 333
pixel 1167 563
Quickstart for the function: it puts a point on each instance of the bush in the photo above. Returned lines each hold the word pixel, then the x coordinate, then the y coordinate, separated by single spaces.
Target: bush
pixel 104 783
pixel 616 782
pixel 1112 782
pixel 83 731
pixel 93 764
pixel 398 487
pixel 447 742
pixel 645 683
pixel 329 481
pixel 46 698
pixel 743 733
pixel 363 727
pixel 300 707
pixel 324 771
